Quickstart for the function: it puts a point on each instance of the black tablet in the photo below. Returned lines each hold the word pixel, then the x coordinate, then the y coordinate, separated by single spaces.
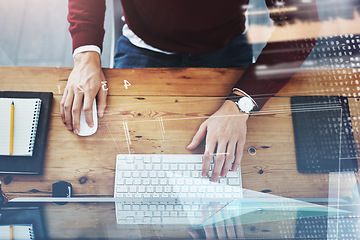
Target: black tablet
pixel 324 140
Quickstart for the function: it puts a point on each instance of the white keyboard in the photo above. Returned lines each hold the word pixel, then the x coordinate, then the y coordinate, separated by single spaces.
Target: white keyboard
pixel 168 189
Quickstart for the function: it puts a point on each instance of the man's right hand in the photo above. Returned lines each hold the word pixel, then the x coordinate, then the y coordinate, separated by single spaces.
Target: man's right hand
pixel 85 82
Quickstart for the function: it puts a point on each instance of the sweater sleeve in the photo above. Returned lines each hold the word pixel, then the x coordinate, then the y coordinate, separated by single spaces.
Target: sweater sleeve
pixel 278 61
pixel 86 20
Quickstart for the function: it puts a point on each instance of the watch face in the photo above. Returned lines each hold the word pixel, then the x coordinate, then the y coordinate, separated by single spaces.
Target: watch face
pixel 245 104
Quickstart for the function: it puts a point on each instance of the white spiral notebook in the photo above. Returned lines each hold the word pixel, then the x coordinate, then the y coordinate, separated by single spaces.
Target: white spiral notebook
pixel 17 232
pixel 26 116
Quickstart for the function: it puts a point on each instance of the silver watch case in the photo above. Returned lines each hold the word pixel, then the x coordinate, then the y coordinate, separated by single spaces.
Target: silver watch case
pixel 245 104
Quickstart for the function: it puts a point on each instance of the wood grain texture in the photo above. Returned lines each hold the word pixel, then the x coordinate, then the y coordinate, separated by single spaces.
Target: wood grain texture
pixel 162 97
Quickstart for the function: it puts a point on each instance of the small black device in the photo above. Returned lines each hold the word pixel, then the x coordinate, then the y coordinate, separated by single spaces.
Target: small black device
pixel 324 141
pixel 61 189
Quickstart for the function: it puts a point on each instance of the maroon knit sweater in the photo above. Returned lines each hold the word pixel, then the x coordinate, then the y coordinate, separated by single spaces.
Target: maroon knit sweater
pixel 198 26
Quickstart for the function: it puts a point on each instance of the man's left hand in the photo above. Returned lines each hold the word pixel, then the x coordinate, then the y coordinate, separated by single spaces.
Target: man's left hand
pixel 225 130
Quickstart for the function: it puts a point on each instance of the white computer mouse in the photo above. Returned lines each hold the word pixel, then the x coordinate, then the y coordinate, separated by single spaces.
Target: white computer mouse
pixel 85 130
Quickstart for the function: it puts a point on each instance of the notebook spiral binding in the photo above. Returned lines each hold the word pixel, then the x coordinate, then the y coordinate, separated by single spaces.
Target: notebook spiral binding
pixel 34 124
pixel 31 234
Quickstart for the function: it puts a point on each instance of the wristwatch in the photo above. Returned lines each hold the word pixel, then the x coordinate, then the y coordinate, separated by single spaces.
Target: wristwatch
pixel 245 104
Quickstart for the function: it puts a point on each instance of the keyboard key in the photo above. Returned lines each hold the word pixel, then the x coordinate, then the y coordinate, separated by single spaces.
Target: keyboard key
pixel 190 167
pixel 184 189
pixel 165 167
pixel 163 181
pixel 167 189
pixel 137 181
pixel 132 189
pixel 234 181
pixel 233 174
pixel 156 159
pixel 140 166
pixel 182 167
pixel 135 174
pixel 141 189
pixel 195 174
pixel 198 167
pixel 121 189
pixel 161 174
pixel 120 181
pixel 127 167
pixel 145 181
pixel 127 174
pixel 182 214
pixel 147 159
pixel 169 207
pixel 156 220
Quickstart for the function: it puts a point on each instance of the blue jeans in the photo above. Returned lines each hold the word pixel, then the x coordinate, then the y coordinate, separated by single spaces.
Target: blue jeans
pixel 237 53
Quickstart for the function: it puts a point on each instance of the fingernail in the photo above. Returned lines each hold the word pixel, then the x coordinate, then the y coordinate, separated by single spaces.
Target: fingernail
pixel 69 127
pixel 76 131
pixel 214 179
pixel 91 125
pixel 101 113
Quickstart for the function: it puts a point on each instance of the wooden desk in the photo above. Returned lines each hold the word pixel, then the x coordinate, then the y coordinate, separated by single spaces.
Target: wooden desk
pixel 159 113
pixel 177 100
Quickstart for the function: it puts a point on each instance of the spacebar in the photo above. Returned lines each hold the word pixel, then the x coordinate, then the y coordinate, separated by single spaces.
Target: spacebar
pixel 182 158
pixel 175 220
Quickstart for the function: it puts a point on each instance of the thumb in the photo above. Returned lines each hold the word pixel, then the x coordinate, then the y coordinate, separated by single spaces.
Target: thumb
pixel 199 136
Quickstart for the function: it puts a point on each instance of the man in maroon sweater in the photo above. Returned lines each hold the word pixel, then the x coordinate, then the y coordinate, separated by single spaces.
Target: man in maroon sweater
pixel 186 29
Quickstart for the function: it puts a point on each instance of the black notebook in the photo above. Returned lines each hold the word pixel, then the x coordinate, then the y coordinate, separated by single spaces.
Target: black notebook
pixel 32 116
pixel 324 141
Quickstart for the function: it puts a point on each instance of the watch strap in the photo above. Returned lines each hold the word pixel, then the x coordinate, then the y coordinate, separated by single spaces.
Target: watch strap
pixel 235 98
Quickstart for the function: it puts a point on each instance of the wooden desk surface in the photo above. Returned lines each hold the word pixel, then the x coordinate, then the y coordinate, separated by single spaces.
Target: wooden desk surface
pixel 160 112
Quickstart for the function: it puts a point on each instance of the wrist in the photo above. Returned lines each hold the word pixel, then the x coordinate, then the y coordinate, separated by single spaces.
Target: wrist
pixel 234 109
pixel 85 58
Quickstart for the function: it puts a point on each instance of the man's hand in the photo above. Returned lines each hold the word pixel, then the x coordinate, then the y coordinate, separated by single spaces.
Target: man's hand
pixel 226 131
pixel 85 82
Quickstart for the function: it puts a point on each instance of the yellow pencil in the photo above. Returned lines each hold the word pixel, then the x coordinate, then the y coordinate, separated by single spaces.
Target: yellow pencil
pixel 11 148
pixel 11 230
